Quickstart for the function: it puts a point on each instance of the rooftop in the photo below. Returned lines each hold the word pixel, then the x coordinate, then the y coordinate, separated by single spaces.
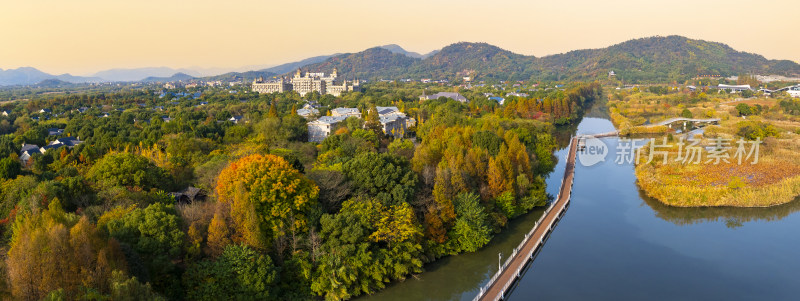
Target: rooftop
pixel 329 120
pixel 451 95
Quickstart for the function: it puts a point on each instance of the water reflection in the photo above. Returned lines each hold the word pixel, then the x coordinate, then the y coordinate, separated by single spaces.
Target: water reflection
pixel 610 246
pixel 733 217
pixel 615 243
pixel 459 277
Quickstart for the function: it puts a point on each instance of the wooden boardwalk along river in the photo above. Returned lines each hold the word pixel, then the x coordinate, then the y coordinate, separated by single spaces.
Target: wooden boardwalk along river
pixel 502 282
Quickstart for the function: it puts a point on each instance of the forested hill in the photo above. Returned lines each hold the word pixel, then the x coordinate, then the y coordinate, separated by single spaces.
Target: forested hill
pixel 371 63
pixel 641 60
pixel 481 59
pixel 662 58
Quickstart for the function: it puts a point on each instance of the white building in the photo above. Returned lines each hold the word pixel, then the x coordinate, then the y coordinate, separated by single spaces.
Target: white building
pixel 346 112
pixel 734 88
pixel 393 122
pixel 307 82
pixel 261 86
pixel 321 128
pixel 451 95
pixel 308 113
pixel 794 91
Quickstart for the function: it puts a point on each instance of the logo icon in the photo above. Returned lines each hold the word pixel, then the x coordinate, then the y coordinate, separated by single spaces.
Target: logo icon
pixel 591 151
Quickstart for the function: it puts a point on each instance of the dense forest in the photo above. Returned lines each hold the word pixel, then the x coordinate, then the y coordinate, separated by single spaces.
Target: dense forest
pixel 168 199
pixel 646 60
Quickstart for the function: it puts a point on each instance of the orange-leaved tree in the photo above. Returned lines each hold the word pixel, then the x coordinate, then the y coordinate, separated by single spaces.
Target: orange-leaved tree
pixel 269 199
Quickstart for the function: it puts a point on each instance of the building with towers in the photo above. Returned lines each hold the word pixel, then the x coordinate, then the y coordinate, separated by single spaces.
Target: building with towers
pixel 307 82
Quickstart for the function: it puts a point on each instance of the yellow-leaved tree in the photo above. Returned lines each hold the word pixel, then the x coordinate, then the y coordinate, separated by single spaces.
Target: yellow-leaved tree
pixel 269 200
pixel 53 250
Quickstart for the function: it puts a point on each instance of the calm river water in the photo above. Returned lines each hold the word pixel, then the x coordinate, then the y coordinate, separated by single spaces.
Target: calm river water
pixel 614 243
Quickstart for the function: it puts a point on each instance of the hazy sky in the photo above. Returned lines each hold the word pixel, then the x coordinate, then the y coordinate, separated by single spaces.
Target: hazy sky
pixel 84 36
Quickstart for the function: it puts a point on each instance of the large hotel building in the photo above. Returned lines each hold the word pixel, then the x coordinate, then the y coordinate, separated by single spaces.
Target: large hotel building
pixel 305 83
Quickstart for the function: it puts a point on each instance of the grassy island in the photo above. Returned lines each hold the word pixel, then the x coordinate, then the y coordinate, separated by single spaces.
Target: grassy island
pixel 685 181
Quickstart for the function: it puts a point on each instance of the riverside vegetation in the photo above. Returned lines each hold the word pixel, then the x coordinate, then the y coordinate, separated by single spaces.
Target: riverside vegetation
pixel 284 219
pixel 774 179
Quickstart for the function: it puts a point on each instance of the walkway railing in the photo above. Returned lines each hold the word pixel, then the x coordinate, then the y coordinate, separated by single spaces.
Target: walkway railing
pixel 516 271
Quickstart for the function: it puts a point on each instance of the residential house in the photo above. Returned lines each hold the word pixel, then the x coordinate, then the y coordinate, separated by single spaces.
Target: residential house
pixel 236 119
pixel 26 153
pixel 55 131
pixel 69 142
pixel 498 99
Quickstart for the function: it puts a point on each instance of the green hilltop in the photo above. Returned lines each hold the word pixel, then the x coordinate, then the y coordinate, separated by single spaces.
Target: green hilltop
pixel 653 59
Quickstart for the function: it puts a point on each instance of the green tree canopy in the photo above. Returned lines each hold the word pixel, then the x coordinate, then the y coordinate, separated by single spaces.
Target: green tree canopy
pixel 126 169
pixel 471 230
pixel 382 176
pixel 155 238
pixel 240 273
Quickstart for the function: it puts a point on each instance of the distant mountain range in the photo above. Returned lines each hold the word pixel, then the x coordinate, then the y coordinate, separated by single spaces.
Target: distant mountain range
pixel 180 76
pixel 291 67
pixel 653 59
pixel 394 48
pixel 137 74
pixel 29 76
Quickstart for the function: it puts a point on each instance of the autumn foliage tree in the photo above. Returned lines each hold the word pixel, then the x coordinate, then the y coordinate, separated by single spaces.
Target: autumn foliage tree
pixel 54 250
pixel 269 200
pixel 218 234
